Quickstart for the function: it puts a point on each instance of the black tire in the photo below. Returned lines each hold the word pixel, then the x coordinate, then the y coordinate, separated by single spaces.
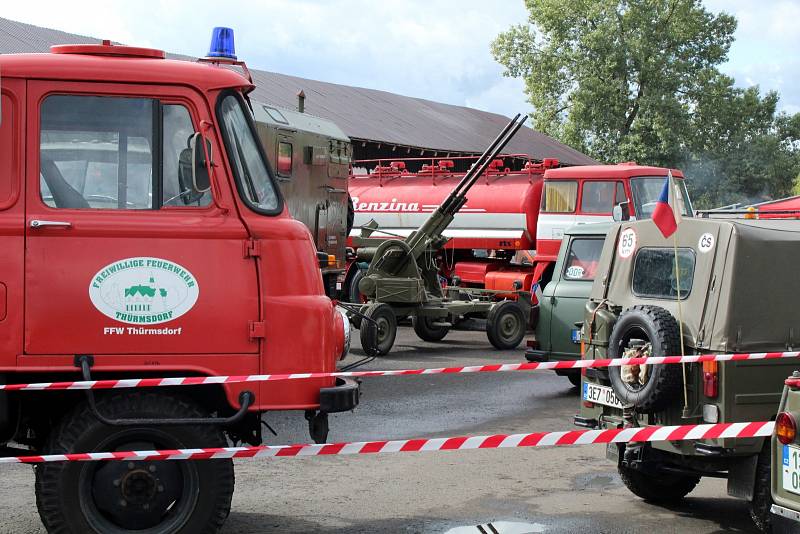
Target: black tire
pixel 353 294
pixel 426 331
pixel 762 492
pixel 574 378
pixel 159 497
pixel 378 339
pixel 505 325
pixel 658 327
pixel 658 489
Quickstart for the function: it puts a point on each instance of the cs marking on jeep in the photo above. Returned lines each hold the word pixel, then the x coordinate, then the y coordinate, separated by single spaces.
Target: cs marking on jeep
pixel 143 291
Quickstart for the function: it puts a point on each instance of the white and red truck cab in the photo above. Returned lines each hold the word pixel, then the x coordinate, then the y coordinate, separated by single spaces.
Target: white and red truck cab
pixel 588 193
pixel 142 233
pixel 510 229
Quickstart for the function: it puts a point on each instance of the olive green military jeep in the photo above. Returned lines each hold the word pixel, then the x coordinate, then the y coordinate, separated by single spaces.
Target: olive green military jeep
pixel 559 309
pixel 735 290
pixel 785 473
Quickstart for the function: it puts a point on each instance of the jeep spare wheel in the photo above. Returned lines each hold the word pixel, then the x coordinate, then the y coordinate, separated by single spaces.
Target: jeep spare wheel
pixel 643 331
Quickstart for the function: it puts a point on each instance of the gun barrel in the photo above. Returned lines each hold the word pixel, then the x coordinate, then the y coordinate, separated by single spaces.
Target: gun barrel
pixel 480 160
pixel 493 154
pixel 432 229
pixel 456 199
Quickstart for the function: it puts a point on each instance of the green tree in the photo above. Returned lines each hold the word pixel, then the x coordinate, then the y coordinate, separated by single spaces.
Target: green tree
pixel 639 80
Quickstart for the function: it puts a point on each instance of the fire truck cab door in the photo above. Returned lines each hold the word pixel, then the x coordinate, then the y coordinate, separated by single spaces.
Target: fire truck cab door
pixel 125 253
pixel 12 217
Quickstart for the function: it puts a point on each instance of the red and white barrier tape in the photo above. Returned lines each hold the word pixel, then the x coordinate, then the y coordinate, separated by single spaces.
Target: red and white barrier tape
pixel 491 368
pixel 497 441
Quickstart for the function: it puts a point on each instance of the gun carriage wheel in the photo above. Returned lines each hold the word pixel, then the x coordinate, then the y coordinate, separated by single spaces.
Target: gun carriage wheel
pixel 379 329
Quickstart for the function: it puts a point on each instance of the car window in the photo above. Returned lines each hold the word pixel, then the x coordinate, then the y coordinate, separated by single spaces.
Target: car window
pixel 559 196
pixel 582 258
pixel 600 197
pixel 96 152
pixel 284 166
pixel 647 190
pixel 178 189
pixel 654 273
pixel 254 180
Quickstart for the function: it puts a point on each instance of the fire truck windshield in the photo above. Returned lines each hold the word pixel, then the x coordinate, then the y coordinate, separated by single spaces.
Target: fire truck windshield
pixel 646 191
pixel 252 175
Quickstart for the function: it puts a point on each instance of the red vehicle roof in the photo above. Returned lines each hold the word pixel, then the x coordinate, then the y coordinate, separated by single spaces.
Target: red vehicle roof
pixel 620 170
pixel 785 208
pixel 792 203
pixel 98 67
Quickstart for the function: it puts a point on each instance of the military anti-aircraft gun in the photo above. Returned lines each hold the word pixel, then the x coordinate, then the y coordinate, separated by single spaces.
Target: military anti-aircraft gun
pixel 402 279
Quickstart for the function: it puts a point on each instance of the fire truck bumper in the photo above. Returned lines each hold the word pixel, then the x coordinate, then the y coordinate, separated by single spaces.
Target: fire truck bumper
pixel 340 398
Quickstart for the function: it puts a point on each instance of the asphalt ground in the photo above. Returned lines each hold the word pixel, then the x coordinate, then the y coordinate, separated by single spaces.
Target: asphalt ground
pixel 553 490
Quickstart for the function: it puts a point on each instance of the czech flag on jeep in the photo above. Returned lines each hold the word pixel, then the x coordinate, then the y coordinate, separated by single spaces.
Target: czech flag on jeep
pixel 665 217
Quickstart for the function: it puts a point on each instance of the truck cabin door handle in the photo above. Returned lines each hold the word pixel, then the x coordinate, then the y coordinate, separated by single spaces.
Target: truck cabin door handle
pixel 37 223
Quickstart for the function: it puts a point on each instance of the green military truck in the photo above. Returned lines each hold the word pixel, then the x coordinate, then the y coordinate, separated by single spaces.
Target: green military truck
pixel 735 290
pixel 311 159
pixel 784 481
pixel 559 311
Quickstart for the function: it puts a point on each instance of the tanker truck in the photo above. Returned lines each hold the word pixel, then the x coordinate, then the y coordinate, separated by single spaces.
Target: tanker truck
pixel 509 232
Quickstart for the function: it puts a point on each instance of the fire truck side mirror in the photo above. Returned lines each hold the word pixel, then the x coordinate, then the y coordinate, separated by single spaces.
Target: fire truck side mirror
pixel 622 211
pixel 201 180
pixel 193 169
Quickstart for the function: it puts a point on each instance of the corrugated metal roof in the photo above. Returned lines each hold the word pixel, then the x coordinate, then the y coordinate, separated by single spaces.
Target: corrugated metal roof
pixel 365 114
pixel 20 38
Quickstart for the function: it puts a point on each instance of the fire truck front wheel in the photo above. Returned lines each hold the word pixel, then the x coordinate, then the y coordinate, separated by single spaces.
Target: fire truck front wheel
pixel 125 496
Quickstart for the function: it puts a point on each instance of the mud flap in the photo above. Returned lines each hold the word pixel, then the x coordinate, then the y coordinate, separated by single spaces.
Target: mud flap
pixel 742 477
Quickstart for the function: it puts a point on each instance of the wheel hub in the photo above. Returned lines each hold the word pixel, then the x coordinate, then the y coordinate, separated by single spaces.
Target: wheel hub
pixel 139 486
pixel 508 326
pixel 383 329
pixel 136 494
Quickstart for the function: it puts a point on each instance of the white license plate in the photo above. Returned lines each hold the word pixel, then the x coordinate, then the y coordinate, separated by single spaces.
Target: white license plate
pixel 791 469
pixel 601 395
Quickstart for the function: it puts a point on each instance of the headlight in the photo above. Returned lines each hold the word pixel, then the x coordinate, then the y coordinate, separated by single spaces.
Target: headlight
pixel 346 328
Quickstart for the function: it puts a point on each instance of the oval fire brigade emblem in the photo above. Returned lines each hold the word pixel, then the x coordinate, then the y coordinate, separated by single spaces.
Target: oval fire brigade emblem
pixel 143 290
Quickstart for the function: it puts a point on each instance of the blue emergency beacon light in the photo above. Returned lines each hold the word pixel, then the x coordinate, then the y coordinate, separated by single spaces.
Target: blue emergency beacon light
pixel 222 44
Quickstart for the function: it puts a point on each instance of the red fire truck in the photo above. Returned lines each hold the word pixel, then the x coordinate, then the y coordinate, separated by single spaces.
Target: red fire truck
pixel 142 233
pixel 509 232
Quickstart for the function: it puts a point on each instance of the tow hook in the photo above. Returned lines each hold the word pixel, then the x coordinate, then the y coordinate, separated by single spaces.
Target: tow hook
pixel 629 416
pixel 317 425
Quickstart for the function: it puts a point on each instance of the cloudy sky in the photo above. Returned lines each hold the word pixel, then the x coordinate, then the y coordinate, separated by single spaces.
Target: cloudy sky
pixel 435 49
